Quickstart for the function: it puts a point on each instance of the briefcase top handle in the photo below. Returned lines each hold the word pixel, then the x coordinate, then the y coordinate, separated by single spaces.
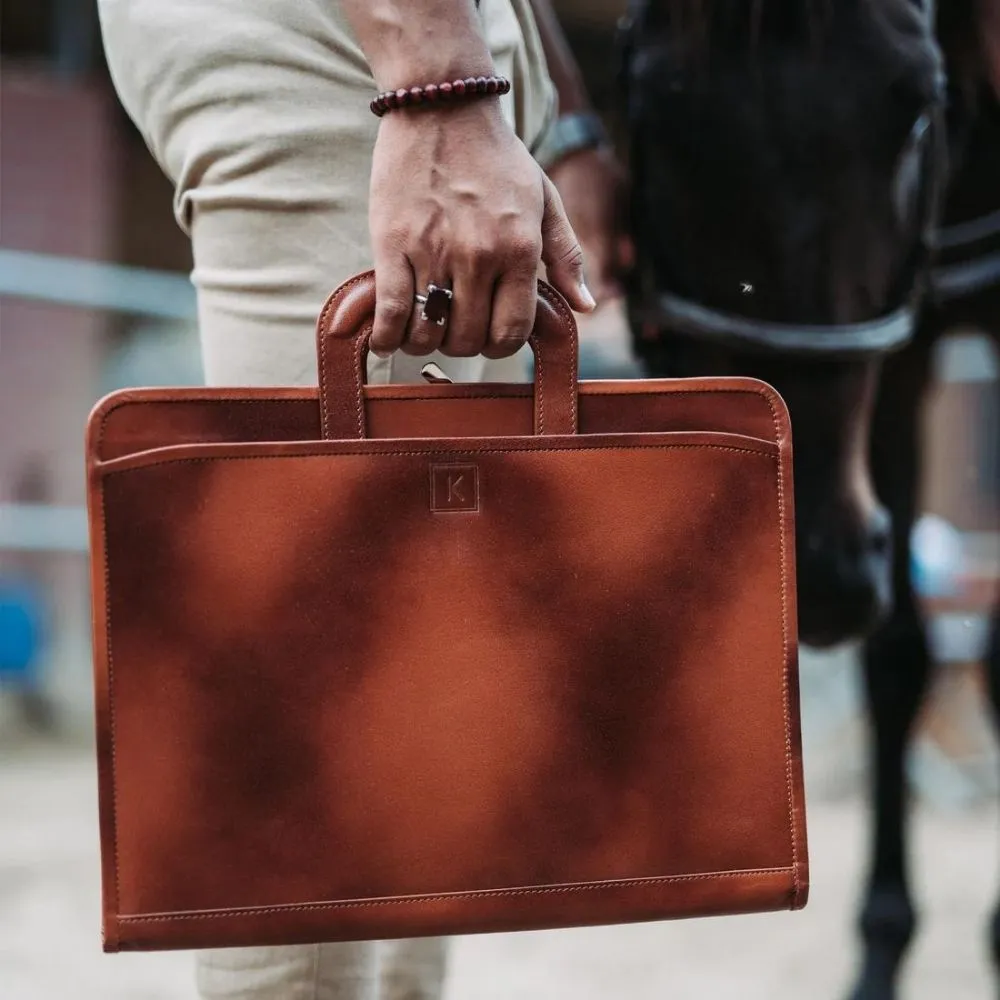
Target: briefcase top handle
pixel 345 325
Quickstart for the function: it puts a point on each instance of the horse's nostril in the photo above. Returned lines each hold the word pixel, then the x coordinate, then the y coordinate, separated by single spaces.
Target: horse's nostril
pixel 879 544
pixel 880 535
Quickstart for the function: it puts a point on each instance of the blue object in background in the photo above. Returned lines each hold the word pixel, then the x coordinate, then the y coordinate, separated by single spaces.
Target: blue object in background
pixel 22 631
pixel 937 558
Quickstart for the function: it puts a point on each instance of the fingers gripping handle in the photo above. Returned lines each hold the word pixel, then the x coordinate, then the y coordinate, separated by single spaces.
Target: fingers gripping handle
pixel 345 324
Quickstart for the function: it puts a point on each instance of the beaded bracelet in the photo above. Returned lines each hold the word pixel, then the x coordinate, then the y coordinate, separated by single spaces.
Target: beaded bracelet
pixel 434 93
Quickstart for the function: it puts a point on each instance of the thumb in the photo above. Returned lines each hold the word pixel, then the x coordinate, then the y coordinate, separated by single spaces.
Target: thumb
pixel 561 252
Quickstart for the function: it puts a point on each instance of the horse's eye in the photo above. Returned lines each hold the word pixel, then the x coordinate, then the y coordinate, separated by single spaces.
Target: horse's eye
pixel 909 178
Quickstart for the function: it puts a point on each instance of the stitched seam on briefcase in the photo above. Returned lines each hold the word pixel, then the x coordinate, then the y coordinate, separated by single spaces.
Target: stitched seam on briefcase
pixel 431 451
pixel 324 333
pixel 540 396
pixel 627 447
pixel 524 389
pixel 557 302
pixel 359 379
pixel 786 693
pixel 111 700
pixel 574 391
pixel 226 401
pixel 351 904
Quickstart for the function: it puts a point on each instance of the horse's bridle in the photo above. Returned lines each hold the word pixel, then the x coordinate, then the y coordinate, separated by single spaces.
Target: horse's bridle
pixel 684 317
pixel 958 270
pixel 659 313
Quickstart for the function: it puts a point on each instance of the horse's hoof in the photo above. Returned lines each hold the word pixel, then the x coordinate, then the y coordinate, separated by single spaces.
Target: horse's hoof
pixel 874 984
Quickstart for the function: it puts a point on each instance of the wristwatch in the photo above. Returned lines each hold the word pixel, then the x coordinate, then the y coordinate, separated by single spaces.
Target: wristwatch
pixel 570 133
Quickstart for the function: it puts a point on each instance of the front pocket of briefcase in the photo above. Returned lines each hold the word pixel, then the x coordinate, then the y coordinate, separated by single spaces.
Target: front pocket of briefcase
pixel 392 669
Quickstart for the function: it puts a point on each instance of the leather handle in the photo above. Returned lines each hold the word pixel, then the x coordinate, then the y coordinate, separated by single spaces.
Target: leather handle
pixel 345 325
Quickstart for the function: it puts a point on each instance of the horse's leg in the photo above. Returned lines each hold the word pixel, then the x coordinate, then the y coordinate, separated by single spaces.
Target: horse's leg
pixel 993 687
pixel 896 670
pixel 992 666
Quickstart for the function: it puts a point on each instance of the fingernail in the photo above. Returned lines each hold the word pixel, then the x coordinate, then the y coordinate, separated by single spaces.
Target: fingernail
pixel 588 299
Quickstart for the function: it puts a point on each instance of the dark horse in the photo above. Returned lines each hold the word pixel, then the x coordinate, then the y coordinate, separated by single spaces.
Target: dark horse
pixel 789 160
pixel 964 290
pixel 785 168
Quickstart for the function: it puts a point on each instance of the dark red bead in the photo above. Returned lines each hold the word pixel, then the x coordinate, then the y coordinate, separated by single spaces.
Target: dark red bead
pixel 470 86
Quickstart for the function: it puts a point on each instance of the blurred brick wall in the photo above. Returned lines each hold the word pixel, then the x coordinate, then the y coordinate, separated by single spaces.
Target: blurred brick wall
pixel 58 194
pixel 75 181
pixel 58 182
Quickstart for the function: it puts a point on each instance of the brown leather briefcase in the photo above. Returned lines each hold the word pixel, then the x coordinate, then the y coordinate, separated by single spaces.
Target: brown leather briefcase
pixel 392 661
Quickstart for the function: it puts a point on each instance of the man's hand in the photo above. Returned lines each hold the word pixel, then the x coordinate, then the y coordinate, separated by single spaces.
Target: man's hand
pixel 457 201
pixel 593 188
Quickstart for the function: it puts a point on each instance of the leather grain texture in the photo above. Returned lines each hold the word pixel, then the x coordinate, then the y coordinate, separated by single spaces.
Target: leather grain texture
pixel 406 660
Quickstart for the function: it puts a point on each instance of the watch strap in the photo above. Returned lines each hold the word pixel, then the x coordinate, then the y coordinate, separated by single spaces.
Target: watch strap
pixel 568 134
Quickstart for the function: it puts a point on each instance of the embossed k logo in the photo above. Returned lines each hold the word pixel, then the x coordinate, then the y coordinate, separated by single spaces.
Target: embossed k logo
pixel 454 487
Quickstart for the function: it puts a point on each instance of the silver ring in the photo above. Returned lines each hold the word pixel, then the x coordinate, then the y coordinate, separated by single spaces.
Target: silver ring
pixel 436 304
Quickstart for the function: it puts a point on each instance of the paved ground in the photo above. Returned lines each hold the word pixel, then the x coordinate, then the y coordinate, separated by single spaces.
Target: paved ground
pixel 49 938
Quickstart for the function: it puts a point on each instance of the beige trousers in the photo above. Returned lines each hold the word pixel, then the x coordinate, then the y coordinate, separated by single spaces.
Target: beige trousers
pixel 258 112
